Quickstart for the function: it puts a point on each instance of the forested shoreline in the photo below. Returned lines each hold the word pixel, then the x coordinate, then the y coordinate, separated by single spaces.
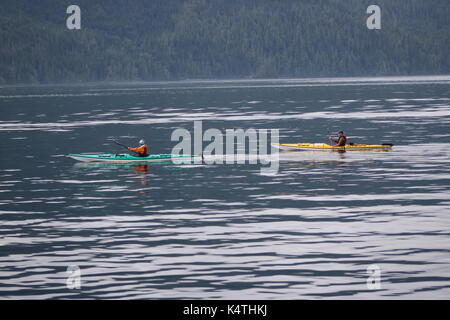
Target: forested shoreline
pixel 142 40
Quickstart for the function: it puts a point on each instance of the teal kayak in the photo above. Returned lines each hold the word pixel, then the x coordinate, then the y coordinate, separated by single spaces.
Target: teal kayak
pixel 124 157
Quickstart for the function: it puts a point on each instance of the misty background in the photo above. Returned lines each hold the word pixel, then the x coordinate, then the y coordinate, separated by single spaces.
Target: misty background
pixel 214 39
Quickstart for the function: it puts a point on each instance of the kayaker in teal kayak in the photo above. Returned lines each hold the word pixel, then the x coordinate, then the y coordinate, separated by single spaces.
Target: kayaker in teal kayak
pixel 142 150
pixel 341 140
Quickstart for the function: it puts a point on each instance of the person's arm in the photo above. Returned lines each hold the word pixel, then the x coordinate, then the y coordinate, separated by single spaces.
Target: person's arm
pixel 333 139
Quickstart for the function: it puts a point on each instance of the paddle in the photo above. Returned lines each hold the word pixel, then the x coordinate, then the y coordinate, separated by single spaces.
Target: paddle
pixel 328 135
pixel 122 145
pixel 329 141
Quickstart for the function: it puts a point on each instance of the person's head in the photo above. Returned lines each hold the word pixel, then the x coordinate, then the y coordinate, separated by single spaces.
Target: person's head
pixel 141 142
pixel 340 133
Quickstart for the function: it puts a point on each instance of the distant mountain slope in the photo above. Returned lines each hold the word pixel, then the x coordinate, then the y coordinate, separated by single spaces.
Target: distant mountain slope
pixel 179 39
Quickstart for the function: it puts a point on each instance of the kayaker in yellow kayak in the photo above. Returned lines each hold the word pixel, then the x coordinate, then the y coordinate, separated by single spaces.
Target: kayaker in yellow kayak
pixel 142 150
pixel 341 140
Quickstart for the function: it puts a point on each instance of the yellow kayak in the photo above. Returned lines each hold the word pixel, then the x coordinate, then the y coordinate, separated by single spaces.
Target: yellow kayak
pixel 325 146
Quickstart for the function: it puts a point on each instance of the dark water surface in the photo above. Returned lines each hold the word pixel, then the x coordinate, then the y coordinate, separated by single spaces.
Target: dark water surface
pixel 226 231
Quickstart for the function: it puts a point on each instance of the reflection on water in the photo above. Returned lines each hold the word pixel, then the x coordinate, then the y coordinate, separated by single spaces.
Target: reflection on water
pixel 225 231
pixel 141 170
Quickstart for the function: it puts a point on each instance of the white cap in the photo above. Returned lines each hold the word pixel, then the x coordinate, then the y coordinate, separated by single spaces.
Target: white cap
pixel 142 142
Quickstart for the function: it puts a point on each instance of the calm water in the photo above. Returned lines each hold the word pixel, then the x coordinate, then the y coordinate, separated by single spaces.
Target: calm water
pixel 226 231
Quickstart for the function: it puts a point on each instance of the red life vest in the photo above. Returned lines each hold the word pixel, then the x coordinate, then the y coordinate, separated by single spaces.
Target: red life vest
pixel 142 151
